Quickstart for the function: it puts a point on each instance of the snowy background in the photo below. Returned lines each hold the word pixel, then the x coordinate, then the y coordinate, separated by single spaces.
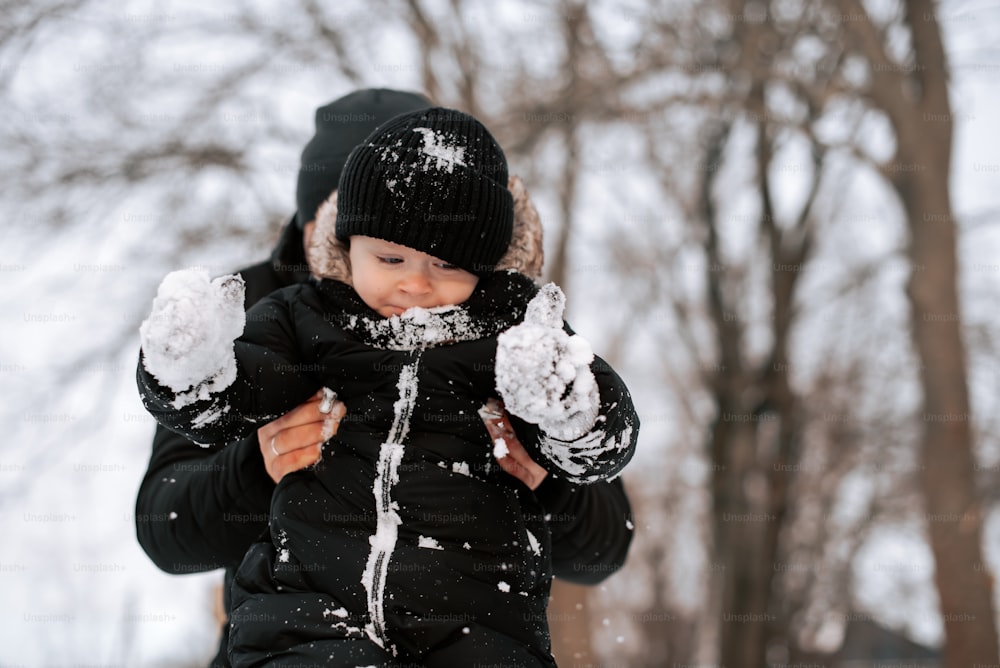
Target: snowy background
pixel 92 218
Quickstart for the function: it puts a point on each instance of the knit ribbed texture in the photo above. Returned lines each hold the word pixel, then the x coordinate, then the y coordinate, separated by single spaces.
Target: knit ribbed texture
pixel 434 180
pixel 340 126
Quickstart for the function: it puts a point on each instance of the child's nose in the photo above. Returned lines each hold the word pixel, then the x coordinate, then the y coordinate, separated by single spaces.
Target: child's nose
pixel 415 282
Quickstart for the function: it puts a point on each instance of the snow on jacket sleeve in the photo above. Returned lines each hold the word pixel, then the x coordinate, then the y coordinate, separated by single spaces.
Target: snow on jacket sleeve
pixel 266 357
pixel 199 508
pixel 549 377
pixel 602 452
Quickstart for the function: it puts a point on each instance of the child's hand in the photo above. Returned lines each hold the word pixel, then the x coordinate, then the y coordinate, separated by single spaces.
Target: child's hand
pixel 187 341
pixel 543 374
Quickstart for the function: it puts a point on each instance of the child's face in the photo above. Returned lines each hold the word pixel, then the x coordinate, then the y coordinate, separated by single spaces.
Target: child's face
pixel 391 278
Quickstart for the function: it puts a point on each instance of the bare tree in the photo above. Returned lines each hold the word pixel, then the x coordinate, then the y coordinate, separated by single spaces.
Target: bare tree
pixel 911 90
pixel 909 86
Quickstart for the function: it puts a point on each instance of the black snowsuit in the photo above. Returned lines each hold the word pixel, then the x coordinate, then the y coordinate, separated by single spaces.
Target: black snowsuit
pixel 481 595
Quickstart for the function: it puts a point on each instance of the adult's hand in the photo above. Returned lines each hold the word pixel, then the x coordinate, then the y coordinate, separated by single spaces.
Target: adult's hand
pixel 295 440
pixel 507 449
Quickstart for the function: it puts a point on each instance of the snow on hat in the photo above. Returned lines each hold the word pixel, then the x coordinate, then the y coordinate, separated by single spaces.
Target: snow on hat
pixel 340 126
pixel 434 180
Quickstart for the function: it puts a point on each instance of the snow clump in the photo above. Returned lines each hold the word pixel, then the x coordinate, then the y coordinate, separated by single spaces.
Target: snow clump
pixel 445 154
pixel 543 374
pixel 187 340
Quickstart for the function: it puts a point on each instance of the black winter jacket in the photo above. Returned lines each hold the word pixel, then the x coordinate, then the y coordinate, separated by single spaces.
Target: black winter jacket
pixel 368 543
pixel 200 509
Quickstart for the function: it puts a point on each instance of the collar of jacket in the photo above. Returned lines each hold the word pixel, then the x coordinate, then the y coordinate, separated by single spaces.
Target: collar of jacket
pixel 288 259
pixel 497 304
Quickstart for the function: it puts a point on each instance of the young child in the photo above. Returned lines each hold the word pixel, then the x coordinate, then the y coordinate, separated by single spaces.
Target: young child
pixel 406 544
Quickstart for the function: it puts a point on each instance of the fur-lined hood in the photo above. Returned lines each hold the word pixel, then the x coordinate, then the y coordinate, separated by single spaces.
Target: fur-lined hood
pixel 328 256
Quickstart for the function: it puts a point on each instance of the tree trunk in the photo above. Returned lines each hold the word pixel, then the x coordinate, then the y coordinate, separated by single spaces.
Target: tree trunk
pixel 569 624
pixel 737 530
pixel 754 445
pixel 954 517
pixel 920 175
pixel 558 268
pixel 740 545
pixel 915 98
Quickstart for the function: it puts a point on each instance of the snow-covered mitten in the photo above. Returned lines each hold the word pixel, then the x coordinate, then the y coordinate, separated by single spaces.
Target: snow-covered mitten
pixel 187 340
pixel 543 374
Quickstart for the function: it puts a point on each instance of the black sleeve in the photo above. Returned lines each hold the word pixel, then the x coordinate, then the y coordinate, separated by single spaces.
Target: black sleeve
pixel 603 452
pixel 588 511
pixel 266 357
pixel 591 523
pixel 198 508
pixel 591 528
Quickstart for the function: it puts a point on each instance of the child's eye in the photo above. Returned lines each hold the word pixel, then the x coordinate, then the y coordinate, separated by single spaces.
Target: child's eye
pixel 389 260
pixel 448 266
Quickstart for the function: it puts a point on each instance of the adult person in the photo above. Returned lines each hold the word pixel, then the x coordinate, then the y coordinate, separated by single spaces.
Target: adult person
pixel 200 508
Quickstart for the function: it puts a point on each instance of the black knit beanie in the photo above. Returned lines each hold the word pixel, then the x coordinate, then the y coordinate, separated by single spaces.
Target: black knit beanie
pixel 434 180
pixel 340 126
